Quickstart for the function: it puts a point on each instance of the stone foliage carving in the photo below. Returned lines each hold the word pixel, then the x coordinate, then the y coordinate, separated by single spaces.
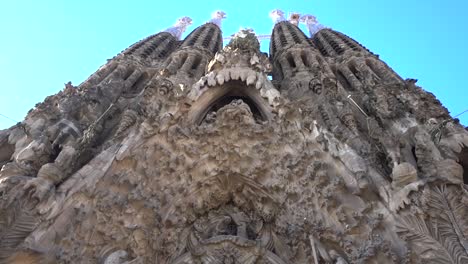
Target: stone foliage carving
pixel 230 236
pixel 440 236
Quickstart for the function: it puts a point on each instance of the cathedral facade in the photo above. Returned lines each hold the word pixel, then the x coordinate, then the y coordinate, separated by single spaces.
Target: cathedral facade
pixel 189 151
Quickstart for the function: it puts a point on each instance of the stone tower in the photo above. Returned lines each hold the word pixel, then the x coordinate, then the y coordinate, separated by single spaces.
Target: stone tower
pixel 182 151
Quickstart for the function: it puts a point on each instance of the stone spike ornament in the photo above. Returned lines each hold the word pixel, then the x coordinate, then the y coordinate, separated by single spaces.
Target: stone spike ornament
pixel 277 16
pixel 180 152
pixel 179 27
pixel 312 24
pixel 217 17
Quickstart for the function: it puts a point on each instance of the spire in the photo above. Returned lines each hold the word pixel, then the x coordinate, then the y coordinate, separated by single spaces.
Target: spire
pixel 179 27
pixel 277 15
pixel 294 18
pixel 216 17
pixel 312 24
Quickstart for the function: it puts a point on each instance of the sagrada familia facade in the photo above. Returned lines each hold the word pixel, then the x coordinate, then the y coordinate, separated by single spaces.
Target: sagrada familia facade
pixel 185 151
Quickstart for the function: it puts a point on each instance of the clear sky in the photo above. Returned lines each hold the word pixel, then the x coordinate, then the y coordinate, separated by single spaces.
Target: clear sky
pixel 47 43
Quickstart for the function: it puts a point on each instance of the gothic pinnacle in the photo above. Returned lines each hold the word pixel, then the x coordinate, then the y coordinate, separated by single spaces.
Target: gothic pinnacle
pixel 179 27
pixel 217 17
pixel 277 16
pixel 312 24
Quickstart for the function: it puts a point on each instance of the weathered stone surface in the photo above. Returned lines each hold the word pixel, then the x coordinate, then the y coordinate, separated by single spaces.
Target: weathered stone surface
pixel 186 152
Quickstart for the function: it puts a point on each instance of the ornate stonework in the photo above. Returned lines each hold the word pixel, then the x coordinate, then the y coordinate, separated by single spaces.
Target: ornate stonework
pixel 182 151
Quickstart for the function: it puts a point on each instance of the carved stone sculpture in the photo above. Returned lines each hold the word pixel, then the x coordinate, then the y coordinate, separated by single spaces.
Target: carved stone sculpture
pixel 185 151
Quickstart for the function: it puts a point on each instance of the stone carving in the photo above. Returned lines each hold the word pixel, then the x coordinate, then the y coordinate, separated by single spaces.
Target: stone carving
pixel 442 236
pixel 186 152
pixel 239 61
pixel 230 236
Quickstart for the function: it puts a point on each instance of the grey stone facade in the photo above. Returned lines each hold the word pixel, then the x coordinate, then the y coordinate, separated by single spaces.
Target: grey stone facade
pixel 182 151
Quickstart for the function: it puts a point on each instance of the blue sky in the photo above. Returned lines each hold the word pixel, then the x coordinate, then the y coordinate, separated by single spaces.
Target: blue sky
pixel 45 44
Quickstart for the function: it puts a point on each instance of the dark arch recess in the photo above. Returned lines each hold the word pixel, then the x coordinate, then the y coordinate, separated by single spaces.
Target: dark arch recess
pixel 463 161
pixel 217 97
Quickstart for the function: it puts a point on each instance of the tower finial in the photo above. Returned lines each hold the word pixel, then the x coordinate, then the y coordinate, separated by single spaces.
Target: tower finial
pixel 312 24
pixel 179 27
pixel 277 15
pixel 216 17
pixel 294 18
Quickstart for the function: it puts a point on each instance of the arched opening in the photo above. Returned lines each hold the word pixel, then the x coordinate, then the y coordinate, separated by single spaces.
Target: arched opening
pixel 6 151
pixel 414 156
pixel 138 86
pixel 278 73
pixel 344 82
pixel 56 149
pixel 167 62
pixel 374 68
pixel 463 161
pixel 127 73
pixel 291 60
pixel 183 58
pixel 196 62
pixel 319 60
pixel 215 98
pixel 352 68
pixel 304 58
